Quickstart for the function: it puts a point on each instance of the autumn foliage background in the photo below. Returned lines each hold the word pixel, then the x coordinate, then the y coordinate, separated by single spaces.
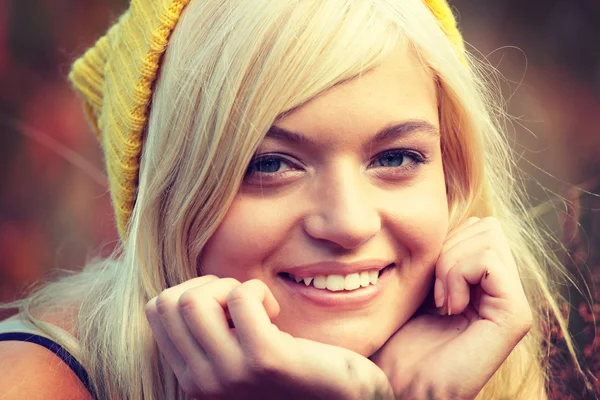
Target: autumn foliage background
pixel 55 211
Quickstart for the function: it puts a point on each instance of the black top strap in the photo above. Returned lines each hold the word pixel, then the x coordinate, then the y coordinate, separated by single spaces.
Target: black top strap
pixel 56 349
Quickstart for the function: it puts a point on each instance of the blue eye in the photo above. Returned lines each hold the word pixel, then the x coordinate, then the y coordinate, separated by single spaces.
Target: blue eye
pixel 397 158
pixel 392 160
pixel 267 165
pixel 271 170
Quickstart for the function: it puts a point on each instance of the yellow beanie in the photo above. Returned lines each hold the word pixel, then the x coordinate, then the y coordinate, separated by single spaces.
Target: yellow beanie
pixel 116 76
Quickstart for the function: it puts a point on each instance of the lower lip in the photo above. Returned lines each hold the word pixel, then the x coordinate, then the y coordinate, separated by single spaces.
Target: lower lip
pixel 345 299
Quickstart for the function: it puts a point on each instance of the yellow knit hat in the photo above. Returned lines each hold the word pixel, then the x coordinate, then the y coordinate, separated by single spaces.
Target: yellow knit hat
pixel 116 76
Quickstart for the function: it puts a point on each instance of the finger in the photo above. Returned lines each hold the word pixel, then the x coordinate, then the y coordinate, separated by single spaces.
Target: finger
pixel 203 310
pixel 443 265
pixel 160 334
pixel 483 241
pixel 485 270
pixel 472 229
pixel 460 228
pixel 487 234
pixel 252 306
pixel 167 348
pixel 176 328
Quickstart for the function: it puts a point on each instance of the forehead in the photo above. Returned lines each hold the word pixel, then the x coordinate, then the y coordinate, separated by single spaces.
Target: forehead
pixel 399 89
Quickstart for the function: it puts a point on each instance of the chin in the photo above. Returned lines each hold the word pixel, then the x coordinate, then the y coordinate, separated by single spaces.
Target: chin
pixel 361 339
pixel 364 348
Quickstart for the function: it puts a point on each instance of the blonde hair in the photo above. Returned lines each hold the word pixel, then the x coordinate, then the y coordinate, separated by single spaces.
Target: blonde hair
pixel 231 70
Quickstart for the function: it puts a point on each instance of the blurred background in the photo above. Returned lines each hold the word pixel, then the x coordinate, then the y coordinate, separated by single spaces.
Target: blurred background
pixel 54 206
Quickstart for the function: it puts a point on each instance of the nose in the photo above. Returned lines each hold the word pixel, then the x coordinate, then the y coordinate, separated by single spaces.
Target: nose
pixel 344 211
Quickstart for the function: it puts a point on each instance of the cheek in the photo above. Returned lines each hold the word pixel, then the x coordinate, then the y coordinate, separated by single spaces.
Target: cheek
pixel 248 235
pixel 426 224
pixel 420 224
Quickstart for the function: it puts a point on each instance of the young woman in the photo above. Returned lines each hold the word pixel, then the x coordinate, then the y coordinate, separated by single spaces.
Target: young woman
pixel 315 200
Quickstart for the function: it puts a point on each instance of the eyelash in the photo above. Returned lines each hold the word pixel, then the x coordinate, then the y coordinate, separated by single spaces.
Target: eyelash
pixel 265 177
pixel 417 158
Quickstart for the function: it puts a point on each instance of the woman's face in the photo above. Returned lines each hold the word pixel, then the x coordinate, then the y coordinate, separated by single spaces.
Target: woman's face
pixel 344 190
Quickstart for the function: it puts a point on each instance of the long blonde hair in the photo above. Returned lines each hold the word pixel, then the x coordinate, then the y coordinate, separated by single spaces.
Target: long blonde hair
pixel 231 70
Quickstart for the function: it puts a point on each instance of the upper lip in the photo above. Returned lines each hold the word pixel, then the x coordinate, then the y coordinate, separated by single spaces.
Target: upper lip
pixel 335 268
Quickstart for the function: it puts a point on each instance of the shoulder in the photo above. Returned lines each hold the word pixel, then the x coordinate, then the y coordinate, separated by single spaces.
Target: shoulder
pixel 30 371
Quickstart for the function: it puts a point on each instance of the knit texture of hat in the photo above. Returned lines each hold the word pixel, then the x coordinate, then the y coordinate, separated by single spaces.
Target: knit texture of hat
pixel 115 79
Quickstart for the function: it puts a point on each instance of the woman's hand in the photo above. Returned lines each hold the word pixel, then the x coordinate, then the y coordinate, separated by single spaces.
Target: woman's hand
pixel 477 284
pixel 253 360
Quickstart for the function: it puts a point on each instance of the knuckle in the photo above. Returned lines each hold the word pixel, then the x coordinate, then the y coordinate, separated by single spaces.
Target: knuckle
pixel 237 295
pixel 492 223
pixel 150 307
pixel 165 302
pixel 487 240
pixel 526 320
pixel 444 264
pixel 254 285
pixel 472 219
pixel 488 257
pixel 453 275
pixel 231 282
pixel 519 320
pixel 244 290
pixel 256 282
pixel 522 325
pixel 205 280
pixel 188 300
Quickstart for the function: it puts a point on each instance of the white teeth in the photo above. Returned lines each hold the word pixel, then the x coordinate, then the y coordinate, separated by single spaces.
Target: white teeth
pixel 335 283
pixel 352 281
pixel 373 276
pixel 320 282
pixel 364 279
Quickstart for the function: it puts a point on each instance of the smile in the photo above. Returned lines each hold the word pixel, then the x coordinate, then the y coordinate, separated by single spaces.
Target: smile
pixel 338 292
pixel 336 282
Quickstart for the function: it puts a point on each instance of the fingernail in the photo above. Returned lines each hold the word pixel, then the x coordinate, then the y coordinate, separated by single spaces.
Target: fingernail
pixel 438 293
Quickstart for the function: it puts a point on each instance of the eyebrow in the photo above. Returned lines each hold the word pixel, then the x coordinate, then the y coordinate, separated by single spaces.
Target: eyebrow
pixel 386 134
